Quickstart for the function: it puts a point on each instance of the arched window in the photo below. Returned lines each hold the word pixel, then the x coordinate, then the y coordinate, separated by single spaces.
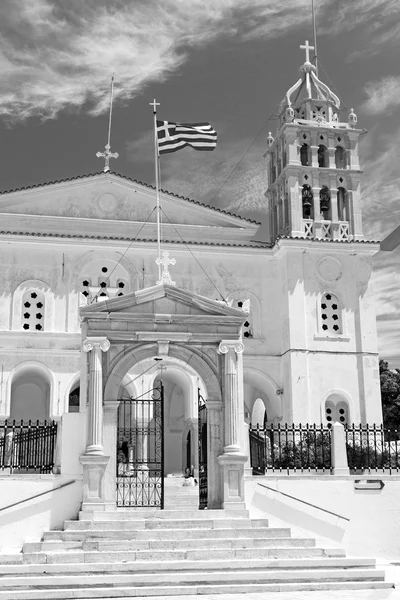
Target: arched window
pixel 331 314
pixel 325 202
pixel 336 411
pixel 33 310
pixel 73 399
pixel 307 200
pixel 340 157
pixel 342 204
pixel 105 281
pixel 322 156
pixel 247 325
pixel 305 155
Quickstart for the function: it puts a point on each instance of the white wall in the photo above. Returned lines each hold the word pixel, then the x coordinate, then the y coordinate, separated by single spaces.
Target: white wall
pixel 373 525
pixel 26 522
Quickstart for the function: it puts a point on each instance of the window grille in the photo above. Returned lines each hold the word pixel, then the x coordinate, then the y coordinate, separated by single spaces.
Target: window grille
pixel 247 325
pixel 331 318
pixel 33 311
pixel 100 288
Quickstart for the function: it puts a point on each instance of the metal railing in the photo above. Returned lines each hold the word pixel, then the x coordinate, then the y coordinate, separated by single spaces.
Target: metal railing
pixel 290 448
pixel 27 447
pixel 372 448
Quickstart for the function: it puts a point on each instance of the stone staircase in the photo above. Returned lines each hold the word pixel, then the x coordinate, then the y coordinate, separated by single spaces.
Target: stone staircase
pixel 179 550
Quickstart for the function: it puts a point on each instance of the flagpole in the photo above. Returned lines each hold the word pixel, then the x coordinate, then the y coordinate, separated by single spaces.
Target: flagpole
pixel 107 154
pixel 154 104
pixel 315 37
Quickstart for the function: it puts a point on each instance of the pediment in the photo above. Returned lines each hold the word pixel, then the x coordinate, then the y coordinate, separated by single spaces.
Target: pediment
pixel 110 205
pixel 161 300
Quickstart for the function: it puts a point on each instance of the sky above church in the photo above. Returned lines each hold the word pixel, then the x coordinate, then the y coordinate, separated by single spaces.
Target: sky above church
pixel 222 61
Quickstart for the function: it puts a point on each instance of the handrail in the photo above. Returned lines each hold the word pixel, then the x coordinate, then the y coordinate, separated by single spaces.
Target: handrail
pixel 303 502
pixel 63 485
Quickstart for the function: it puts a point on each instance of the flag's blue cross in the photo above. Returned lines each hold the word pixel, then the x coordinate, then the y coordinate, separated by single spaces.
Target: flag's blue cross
pixel 167 128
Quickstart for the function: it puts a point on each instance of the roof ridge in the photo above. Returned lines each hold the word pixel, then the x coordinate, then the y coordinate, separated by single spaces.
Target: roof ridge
pixel 67 179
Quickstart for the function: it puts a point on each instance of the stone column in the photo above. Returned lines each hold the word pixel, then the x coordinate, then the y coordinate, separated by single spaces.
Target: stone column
pixel 94 460
pixel 95 409
pixel 231 394
pixel 232 461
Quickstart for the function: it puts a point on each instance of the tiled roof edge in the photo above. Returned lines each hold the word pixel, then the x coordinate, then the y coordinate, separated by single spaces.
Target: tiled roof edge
pixel 125 239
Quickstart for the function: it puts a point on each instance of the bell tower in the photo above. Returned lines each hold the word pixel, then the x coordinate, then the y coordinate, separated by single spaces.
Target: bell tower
pixel 313 167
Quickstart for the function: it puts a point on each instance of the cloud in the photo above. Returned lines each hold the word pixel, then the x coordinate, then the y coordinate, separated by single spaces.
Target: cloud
pixel 382 96
pixel 378 21
pixel 57 55
pixel 380 186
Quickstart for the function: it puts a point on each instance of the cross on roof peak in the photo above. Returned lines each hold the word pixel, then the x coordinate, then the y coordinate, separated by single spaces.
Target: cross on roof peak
pixel 307 48
pixel 165 261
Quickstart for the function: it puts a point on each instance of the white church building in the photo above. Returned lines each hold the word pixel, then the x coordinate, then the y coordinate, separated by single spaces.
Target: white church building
pixel 271 323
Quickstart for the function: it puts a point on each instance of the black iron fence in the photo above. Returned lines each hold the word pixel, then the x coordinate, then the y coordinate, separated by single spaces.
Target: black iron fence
pixel 372 448
pixel 27 447
pixel 290 448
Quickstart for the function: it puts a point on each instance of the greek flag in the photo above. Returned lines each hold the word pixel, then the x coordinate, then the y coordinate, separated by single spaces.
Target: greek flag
pixel 174 136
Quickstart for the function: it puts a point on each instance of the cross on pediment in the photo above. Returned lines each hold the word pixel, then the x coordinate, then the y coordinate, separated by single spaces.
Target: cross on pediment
pixel 107 155
pixel 165 261
pixel 307 48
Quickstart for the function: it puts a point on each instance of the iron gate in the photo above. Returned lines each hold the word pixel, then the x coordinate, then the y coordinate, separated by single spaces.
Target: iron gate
pixel 140 450
pixel 203 482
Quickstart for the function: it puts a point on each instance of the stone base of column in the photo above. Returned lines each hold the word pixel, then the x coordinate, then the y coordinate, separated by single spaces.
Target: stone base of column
pixel 94 467
pixel 232 467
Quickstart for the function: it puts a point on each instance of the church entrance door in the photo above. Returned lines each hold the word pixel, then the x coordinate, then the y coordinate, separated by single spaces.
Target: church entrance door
pixel 203 471
pixel 140 450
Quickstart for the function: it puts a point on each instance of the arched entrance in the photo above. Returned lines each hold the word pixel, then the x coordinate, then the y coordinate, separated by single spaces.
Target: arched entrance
pixel 158 431
pixel 192 337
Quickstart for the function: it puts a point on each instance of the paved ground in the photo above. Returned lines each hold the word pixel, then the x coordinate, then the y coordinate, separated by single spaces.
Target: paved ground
pixel 392 568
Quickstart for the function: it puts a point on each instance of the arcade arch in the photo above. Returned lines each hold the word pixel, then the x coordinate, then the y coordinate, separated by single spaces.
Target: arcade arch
pixel 30 393
pixel 260 398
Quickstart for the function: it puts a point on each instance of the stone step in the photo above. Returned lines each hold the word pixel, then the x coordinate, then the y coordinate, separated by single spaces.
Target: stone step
pixel 157 523
pixel 191 502
pixel 158 556
pixel 173 514
pixel 295 564
pixel 112 591
pixel 163 534
pixel 134 545
pixel 189 577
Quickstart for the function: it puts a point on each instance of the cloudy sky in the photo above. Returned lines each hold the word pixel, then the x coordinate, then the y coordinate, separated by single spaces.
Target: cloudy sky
pixel 222 61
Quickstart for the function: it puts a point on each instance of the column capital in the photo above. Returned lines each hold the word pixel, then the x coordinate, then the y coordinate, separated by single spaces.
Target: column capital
pixel 226 345
pixel 96 342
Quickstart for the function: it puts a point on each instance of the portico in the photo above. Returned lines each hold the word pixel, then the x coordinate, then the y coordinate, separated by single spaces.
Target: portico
pixel 187 346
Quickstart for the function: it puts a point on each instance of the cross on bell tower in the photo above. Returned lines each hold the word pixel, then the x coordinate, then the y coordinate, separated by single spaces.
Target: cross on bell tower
pixel 307 49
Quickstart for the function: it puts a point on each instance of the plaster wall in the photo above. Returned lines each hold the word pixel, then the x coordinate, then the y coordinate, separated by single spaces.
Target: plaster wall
pixel 285 283
pixel 28 521
pixel 366 522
